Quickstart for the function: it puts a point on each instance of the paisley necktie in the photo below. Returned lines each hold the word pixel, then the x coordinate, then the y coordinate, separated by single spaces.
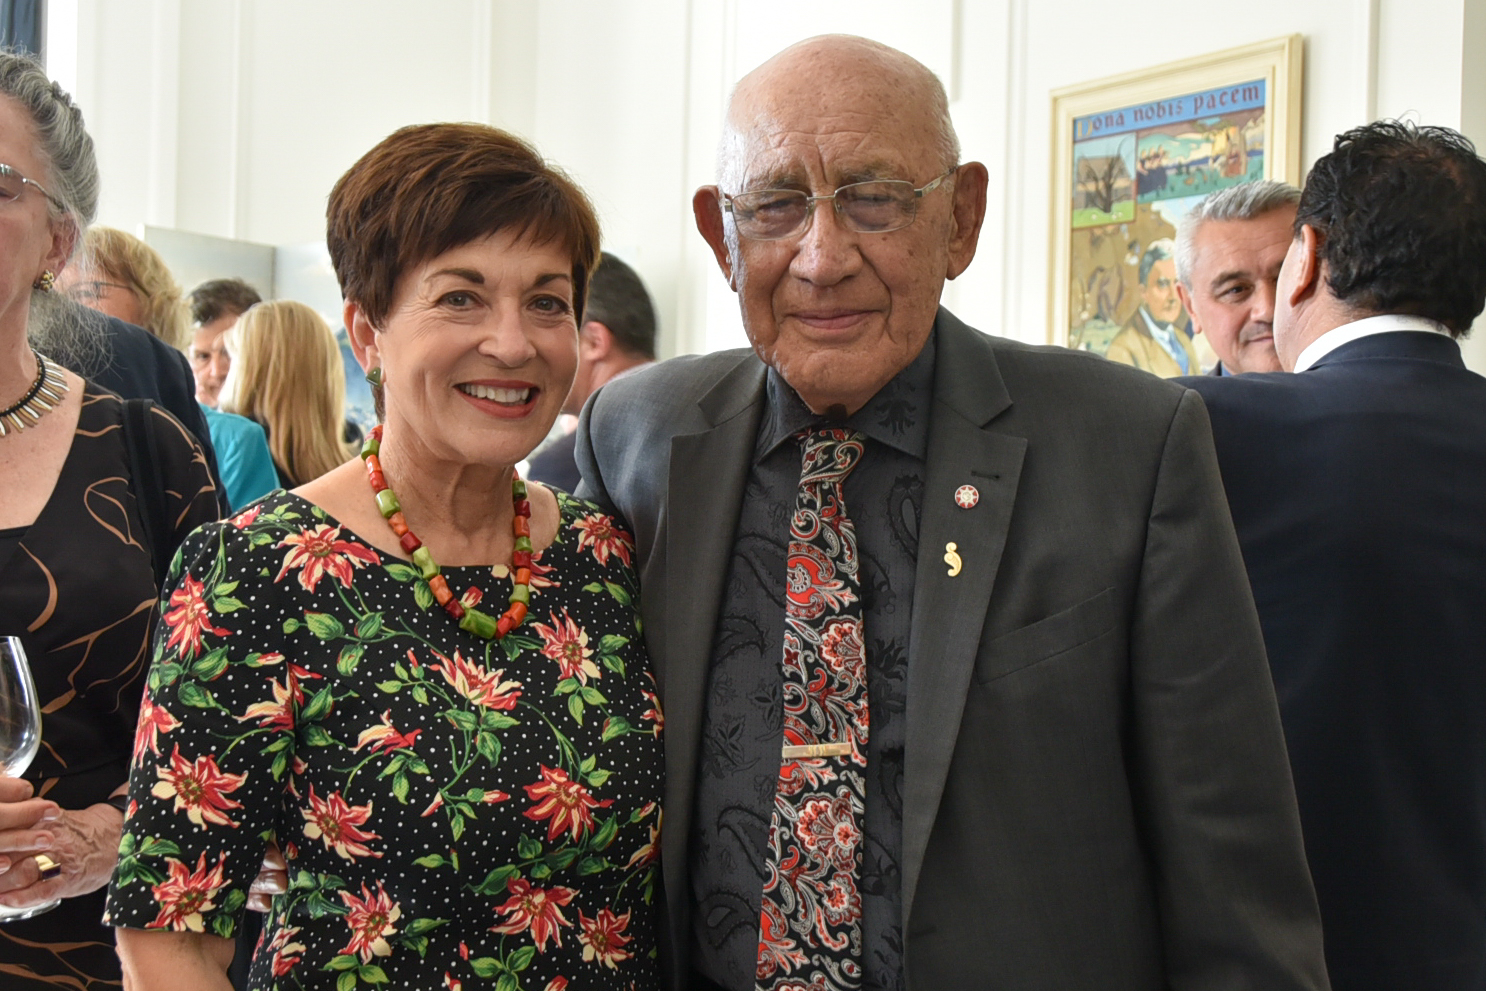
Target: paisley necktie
pixel 810 925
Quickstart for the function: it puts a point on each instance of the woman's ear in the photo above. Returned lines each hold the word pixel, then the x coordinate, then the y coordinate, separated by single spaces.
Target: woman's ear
pixel 363 336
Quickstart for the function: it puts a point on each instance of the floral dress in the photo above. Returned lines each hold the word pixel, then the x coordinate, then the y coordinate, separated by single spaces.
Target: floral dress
pixel 455 812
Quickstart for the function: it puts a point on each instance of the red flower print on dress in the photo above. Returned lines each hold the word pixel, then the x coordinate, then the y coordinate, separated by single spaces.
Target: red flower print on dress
pixel 557 984
pixel 370 920
pixel 537 909
pixel 185 894
pixel 199 787
pixel 841 646
pixel 648 853
pixel 385 737
pixel 653 713
pixel 285 954
pixel 278 714
pixel 334 821
pixel 564 802
pixel 777 951
pixel 567 644
pixel 245 518
pixel 188 618
pixel 598 532
pixel 603 937
pixel 452 983
pixel 319 551
pixel 153 720
pixel 478 683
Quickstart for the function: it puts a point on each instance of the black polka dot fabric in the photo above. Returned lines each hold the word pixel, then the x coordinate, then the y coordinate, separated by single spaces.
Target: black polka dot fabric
pixel 455 812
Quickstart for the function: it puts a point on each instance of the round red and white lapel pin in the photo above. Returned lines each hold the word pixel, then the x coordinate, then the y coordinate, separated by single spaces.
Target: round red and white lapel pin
pixel 966 496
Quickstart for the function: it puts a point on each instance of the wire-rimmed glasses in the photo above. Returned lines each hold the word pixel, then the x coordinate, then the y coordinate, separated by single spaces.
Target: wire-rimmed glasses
pixel 13 184
pixel 873 207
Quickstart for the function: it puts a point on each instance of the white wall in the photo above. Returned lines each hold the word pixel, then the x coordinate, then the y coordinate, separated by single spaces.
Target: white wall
pixel 234 117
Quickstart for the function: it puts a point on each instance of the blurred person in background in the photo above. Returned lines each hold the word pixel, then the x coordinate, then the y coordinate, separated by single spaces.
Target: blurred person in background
pixel 120 275
pixel 215 307
pixel 242 447
pixel 84 526
pixel 286 374
pixel 463 801
pixel 616 339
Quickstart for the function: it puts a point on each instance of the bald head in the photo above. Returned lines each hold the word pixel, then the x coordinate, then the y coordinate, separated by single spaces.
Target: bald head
pixel 858 83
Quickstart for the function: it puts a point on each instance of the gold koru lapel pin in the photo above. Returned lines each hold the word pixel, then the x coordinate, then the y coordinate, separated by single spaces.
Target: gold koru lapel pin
pixel 952 559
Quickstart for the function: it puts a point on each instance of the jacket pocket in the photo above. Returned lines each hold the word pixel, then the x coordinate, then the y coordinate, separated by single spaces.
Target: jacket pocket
pixel 1048 637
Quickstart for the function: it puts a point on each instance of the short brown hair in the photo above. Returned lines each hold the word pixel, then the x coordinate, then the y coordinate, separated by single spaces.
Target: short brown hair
pixel 431 187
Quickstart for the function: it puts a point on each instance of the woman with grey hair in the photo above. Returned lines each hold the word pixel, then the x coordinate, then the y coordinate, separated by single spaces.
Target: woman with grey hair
pixel 97 492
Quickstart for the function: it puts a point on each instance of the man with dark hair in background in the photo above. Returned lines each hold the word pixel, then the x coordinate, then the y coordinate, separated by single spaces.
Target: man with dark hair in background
pixel 617 338
pixel 1358 488
pixel 215 307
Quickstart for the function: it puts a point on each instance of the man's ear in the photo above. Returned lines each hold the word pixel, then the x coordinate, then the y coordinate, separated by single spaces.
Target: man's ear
pixel 595 341
pixel 706 205
pixel 1186 298
pixel 363 336
pixel 1305 252
pixel 970 182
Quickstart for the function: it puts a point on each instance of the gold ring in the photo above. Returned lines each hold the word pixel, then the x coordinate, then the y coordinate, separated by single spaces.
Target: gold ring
pixel 49 868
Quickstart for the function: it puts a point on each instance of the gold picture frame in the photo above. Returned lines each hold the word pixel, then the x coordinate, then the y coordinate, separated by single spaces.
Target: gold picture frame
pixel 1132 152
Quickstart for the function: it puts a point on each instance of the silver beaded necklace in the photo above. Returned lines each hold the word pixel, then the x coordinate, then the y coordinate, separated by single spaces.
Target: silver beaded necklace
pixel 44 395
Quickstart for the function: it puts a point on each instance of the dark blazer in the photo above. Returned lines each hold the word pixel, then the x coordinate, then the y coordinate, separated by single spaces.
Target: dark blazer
pixel 1359 492
pixel 135 364
pixel 1096 789
pixel 556 465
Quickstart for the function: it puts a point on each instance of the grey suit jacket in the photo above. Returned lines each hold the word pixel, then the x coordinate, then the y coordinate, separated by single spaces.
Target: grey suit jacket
pixel 1096 789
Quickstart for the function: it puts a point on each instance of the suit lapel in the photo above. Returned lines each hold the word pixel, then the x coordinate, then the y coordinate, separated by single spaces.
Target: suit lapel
pixel 948 612
pixel 708 473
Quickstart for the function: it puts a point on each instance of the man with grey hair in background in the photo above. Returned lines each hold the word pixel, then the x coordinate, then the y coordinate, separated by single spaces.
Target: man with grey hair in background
pixel 1153 340
pixel 961 690
pixel 1229 249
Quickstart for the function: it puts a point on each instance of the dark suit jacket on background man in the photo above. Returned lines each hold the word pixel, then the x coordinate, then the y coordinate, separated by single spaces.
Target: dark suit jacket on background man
pixel 1096 788
pixel 1358 489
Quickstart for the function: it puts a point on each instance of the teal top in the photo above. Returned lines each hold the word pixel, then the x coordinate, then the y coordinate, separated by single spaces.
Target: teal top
pixel 242 456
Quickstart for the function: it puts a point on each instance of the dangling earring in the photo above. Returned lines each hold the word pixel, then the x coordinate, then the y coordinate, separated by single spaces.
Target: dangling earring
pixel 47 282
pixel 374 376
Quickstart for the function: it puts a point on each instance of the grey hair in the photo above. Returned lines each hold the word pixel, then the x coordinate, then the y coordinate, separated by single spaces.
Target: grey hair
pixel 1242 202
pixel 1156 251
pixel 71 177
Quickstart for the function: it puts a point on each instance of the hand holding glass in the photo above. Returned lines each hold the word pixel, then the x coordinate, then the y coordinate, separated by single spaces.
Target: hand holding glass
pixel 20 734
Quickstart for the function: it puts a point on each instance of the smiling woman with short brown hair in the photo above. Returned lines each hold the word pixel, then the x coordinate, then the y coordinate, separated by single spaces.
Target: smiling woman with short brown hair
pixel 335 677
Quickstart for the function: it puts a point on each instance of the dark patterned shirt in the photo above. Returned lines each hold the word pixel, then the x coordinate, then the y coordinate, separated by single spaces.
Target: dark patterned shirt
pixel 743 728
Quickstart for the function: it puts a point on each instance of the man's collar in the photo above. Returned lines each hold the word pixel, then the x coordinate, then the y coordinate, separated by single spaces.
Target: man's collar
pixel 898 415
pixel 1386 323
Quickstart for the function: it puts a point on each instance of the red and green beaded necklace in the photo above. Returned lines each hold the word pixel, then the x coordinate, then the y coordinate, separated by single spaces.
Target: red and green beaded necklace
pixel 470 620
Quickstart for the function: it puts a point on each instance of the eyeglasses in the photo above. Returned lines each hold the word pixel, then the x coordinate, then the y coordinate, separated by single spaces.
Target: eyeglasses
pixel 93 290
pixel 873 207
pixel 12 184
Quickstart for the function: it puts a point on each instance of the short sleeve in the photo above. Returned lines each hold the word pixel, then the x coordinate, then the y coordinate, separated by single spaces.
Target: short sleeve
pixel 213 746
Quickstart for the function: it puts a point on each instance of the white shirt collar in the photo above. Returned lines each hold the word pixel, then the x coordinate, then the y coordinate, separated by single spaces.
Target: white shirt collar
pixel 1366 327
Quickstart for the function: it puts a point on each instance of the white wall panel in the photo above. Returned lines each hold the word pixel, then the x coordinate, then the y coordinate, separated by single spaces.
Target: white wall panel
pixel 234 117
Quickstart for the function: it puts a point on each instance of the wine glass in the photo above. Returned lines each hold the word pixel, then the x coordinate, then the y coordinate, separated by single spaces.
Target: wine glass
pixel 20 734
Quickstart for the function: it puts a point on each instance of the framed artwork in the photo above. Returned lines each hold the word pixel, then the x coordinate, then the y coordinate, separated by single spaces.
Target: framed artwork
pixel 1131 155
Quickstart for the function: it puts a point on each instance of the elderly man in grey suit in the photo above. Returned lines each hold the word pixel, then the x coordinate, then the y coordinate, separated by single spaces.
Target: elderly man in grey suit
pixel 963 682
